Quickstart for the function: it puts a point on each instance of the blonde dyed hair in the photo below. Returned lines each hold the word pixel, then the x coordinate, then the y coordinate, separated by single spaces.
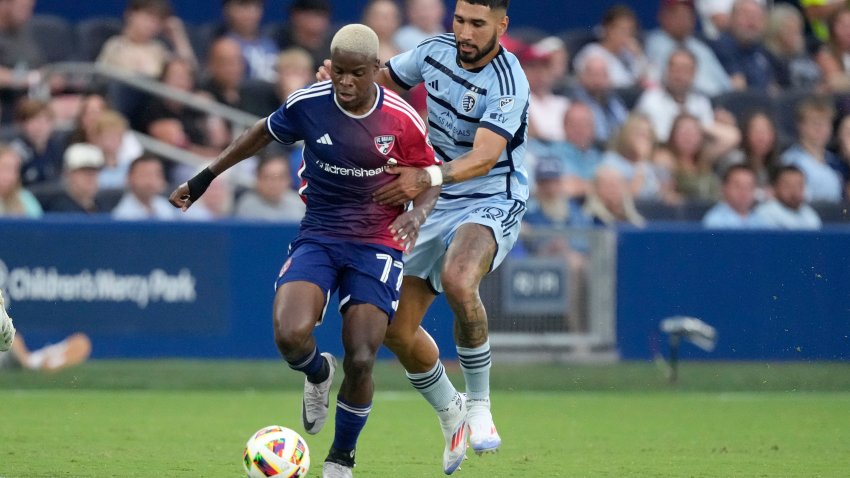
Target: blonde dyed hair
pixel 356 38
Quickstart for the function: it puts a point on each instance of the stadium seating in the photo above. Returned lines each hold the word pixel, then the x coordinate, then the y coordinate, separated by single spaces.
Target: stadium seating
pixel 92 33
pixel 55 37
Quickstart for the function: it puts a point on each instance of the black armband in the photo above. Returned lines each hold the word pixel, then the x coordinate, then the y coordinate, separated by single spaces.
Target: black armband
pixel 199 184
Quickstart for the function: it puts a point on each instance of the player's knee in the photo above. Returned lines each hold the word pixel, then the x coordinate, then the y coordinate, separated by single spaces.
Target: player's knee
pixel 398 340
pixel 459 284
pixel 291 336
pixel 358 364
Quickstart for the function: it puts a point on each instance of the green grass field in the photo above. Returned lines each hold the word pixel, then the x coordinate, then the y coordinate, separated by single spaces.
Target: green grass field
pixel 191 419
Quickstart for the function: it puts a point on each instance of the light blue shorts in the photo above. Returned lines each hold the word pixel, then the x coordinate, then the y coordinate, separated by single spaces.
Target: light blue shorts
pixel 501 216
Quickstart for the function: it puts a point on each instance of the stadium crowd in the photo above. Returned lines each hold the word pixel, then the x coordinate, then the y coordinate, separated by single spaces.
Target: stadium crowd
pixel 730 112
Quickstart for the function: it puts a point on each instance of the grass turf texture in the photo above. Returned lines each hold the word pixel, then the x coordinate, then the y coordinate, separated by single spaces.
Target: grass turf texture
pixel 191 418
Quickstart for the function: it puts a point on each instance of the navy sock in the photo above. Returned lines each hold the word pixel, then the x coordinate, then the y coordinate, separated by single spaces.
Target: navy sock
pixel 350 420
pixel 313 365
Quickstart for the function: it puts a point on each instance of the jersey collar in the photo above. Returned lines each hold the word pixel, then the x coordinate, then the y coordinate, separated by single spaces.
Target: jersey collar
pixel 378 97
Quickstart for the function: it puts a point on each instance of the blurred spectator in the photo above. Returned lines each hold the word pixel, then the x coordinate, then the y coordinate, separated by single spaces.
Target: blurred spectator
pixel 676 95
pixel 819 12
pixel 833 55
pixel 788 209
pixel 216 203
pixel 714 17
pixel 759 151
pixel 741 50
pixel 242 25
pixel 384 17
pixel 546 109
pixel 691 154
pixel 677 19
pixel 143 200
pixel 14 199
pixel 630 154
pixel 110 131
pixel 308 27
pixel 73 350
pixel 38 143
pixel 610 202
pixel 137 48
pixel 272 198
pixel 425 19
pixel 294 70
pixel 20 54
pixel 594 89
pixel 842 142
pixel 83 162
pixel 621 49
pixel 735 210
pixel 820 166
pixel 91 129
pixel 786 42
pixel 225 72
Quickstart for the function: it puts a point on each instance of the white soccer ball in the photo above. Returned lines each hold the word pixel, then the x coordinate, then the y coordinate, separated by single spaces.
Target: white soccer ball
pixel 276 451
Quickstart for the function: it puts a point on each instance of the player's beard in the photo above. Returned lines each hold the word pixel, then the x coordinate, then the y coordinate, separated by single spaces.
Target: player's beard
pixel 479 53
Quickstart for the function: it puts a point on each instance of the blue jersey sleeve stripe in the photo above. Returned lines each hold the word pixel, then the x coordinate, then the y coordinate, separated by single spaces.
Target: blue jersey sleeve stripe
pixel 442 154
pixel 313 94
pixel 269 129
pixel 312 89
pixel 396 78
pixel 438 39
pixel 469 196
pixel 501 66
pixel 448 72
pixel 435 126
pixel 498 130
pixel 449 107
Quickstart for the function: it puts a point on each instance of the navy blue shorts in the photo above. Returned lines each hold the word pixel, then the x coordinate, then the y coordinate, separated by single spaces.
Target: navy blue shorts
pixel 363 273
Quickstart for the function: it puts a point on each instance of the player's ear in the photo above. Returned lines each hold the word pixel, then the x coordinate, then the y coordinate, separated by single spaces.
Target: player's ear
pixel 502 26
pixel 377 64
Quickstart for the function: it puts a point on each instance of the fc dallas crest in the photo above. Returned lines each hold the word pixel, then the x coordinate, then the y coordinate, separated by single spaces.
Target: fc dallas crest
pixel 384 143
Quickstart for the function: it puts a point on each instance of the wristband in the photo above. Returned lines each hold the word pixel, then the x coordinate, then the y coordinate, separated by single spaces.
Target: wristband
pixel 199 184
pixel 436 175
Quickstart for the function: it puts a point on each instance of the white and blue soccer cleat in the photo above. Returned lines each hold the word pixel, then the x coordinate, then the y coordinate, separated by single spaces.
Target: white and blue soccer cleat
pixel 7 329
pixel 483 437
pixel 453 424
pixel 314 405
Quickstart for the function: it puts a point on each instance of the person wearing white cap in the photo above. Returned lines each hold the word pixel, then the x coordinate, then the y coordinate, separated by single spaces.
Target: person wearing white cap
pixel 82 163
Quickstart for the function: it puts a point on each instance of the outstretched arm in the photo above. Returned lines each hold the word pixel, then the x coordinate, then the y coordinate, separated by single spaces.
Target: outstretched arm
pixel 245 146
pixel 485 152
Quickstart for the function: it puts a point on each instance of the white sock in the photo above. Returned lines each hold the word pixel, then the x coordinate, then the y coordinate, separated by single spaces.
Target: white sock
pixel 434 385
pixel 475 364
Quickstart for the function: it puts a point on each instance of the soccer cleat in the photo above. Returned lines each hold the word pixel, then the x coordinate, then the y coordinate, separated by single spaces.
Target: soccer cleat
pixel 338 464
pixel 483 437
pixel 453 423
pixel 7 329
pixel 314 405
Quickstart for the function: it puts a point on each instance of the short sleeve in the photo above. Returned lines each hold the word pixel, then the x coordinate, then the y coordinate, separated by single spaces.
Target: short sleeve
pixel 282 127
pixel 405 68
pixel 505 113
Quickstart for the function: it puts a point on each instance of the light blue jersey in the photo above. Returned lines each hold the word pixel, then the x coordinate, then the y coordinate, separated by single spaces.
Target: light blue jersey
pixel 459 102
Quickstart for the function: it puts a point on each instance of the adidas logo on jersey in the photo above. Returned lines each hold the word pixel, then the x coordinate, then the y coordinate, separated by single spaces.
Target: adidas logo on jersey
pixel 325 139
pixel 435 84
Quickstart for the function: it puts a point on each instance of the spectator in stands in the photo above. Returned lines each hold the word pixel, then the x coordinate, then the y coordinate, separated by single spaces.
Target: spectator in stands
pixel 83 162
pixel 20 54
pixel 842 151
pixel 294 70
pixel 621 49
pixel 109 134
pixel 677 20
pixel 735 209
pixel 384 18
pixel 741 50
pixel 759 151
pixel 425 19
pixel 594 89
pixel 272 198
pixel 89 129
pixel 630 154
pixel 786 42
pixel 832 56
pixel 676 95
pixel 308 27
pixel 225 72
pixel 137 49
pixel 73 350
pixel 692 153
pixel 15 200
pixel 143 199
pixel 216 203
pixel 819 12
pixel 38 143
pixel 546 109
pixel 788 208
pixel 610 202
pixel 242 25
pixel 820 166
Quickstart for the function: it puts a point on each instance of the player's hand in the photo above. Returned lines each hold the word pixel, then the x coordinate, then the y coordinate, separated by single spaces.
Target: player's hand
pixel 408 185
pixel 180 197
pixel 324 73
pixel 405 228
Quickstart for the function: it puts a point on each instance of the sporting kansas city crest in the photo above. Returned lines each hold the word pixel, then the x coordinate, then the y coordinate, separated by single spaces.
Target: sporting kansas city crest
pixel 468 101
pixel 384 143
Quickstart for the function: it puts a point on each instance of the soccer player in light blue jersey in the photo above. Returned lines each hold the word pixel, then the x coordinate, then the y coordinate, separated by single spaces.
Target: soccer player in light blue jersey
pixel 477 117
pixel 352 129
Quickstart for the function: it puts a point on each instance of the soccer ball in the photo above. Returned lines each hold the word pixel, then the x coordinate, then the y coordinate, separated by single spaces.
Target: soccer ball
pixel 276 451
